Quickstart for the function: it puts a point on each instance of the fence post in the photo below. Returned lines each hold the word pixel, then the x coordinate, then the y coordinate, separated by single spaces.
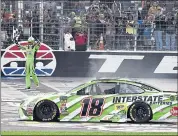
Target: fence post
pixel 31 26
pixel 61 29
pixel 20 8
pixel 136 20
pixel 41 20
pixel 88 40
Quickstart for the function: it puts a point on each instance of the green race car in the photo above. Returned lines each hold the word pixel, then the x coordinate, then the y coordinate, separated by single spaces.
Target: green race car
pixel 113 100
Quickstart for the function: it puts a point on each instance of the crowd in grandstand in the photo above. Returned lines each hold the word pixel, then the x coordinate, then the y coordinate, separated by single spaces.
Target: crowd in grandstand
pixel 123 25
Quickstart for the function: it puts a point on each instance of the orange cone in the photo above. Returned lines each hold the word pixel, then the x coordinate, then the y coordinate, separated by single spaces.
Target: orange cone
pixel 101 44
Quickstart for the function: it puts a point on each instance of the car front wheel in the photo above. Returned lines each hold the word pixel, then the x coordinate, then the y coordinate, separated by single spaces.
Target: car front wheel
pixel 46 110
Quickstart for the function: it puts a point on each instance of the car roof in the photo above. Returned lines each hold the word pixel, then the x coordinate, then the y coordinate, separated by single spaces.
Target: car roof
pixel 136 81
pixel 115 79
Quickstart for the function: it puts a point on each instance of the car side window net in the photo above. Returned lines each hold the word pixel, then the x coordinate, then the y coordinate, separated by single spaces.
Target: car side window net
pixel 105 88
pixel 98 89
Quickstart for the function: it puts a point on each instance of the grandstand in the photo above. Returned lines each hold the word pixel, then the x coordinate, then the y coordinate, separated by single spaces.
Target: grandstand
pixel 124 25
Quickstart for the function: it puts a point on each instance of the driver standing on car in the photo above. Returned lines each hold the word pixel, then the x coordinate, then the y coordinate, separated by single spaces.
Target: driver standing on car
pixel 31 50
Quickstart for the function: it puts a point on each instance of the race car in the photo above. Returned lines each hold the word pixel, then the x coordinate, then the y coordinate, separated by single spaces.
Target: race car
pixel 112 100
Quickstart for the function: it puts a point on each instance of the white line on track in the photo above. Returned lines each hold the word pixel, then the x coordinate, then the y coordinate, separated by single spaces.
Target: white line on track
pixel 96 126
pixel 13 104
pixel 11 92
pixel 11 112
pixel 9 100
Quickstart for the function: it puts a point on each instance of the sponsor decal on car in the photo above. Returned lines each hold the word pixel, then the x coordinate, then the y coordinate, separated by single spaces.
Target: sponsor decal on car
pixel 92 107
pixel 149 99
pixel 121 112
pixel 29 111
pixel 63 107
pixel 120 107
pixel 136 98
pixel 173 98
pixel 174 111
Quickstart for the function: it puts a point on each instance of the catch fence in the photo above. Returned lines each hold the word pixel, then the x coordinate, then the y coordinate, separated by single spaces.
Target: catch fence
pixel 120 25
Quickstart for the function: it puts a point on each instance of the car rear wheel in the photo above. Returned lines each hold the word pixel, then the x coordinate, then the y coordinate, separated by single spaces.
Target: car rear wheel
pixel 46 110
pixel 140 112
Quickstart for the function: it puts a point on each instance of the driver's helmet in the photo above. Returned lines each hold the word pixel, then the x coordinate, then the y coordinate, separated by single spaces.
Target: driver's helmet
pixel 31 39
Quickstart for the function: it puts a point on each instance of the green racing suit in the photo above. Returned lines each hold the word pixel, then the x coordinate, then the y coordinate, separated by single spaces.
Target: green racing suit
pixel 31 50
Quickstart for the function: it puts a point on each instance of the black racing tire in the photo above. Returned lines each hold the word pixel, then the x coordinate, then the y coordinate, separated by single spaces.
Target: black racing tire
pixel 140 112
pixel 46 110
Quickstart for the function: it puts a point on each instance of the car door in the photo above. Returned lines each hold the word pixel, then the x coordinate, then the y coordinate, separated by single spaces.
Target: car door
pixel 73 103
pixel 111 111
pixel 96 107
pixel 91 103
pixel 88 106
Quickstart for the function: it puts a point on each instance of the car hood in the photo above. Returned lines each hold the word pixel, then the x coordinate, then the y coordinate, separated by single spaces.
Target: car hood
pixel 32 100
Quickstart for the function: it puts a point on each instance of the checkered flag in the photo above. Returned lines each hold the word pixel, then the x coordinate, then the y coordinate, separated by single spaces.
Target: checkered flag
pixel 16 33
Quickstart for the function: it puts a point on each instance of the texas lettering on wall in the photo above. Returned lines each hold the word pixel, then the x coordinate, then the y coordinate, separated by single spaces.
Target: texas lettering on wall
pixel 112 62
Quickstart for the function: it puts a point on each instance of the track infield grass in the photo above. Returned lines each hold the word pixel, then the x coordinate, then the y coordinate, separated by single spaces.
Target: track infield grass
pixel 53 133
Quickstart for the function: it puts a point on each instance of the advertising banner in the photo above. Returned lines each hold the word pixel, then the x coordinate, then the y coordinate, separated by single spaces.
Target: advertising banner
pixel 93 64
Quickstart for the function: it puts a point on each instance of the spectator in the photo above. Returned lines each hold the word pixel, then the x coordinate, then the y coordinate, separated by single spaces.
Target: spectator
pixel 170 32
pixel 145 10
pixel 84 23
pixel 155 15
pixel 116 8
pixel 110 33
pixel 176 21
pixel 76 24
pixel 147 34
pixel 130 30
pixel 2 45
pixel 176 24
pixel 121 32
pixel 69 43
pixel 158 32
pixel 140 30
pixel 100 25
pixel 81 41
pixel 155 10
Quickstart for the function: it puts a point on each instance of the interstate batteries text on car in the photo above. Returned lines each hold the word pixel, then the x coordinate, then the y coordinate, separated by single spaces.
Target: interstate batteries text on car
pixel 150 99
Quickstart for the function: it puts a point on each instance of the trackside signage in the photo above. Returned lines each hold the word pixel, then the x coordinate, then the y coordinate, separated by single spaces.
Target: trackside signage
pixel 13 61
pixel 115 64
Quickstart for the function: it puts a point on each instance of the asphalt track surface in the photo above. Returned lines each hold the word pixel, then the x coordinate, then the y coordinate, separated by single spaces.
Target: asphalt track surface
pixel 12 91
